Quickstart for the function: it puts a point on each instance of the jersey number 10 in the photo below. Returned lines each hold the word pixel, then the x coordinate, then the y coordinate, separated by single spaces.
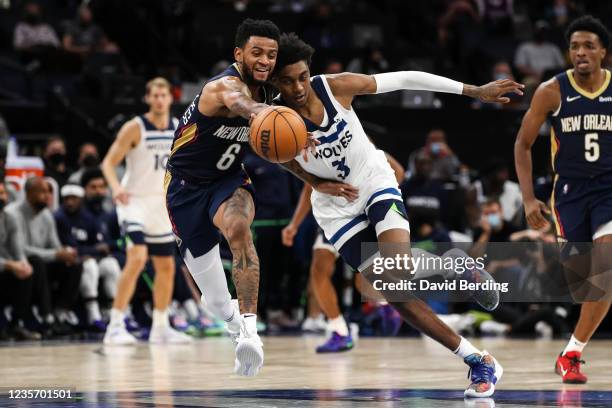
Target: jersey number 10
pixel 591 147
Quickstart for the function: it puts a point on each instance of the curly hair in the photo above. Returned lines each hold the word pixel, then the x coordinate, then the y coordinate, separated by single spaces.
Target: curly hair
pixel 258 28
pixel 292 49
pixel 592 25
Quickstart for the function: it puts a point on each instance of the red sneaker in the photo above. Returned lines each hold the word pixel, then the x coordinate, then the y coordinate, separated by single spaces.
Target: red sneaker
pixel 568 367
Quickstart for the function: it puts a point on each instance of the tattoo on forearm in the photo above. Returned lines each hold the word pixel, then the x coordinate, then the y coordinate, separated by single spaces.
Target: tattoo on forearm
pixel 297 170
pixel 244 106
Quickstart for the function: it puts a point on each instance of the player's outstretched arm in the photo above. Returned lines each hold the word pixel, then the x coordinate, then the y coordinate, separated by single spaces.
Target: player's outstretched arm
pixel 545 100
pixel 231 93
pixel 301 210
pixel 324 186
pixel 127 138
pixel 347 85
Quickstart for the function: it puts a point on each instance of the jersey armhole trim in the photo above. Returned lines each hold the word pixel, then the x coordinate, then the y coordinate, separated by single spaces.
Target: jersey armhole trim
pixel 332 97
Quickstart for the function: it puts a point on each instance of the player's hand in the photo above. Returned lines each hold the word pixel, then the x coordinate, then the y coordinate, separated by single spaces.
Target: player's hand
pixel 534 212
pixel 103 248
pixel 252 118
pixel 121 196
pixel 67 255
pixel 21 269
pixel 493 91
pixel 288 234
pixel 311 145
pixel 337 189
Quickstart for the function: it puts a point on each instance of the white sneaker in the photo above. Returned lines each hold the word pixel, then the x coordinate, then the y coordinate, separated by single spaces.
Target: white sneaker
pixel 167 335
pixel 249 352
pixel 117 335
pixel 234 329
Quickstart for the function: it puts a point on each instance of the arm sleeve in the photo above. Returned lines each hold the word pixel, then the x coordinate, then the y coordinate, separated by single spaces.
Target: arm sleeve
pixel 417 81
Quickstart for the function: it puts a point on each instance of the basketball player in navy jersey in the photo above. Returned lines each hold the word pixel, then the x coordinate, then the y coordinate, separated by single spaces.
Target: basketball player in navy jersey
pixel 578 105
pixel 378 215
pixel 207 190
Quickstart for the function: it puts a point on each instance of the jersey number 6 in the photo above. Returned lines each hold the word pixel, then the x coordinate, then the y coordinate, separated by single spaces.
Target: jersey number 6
pixel 228 157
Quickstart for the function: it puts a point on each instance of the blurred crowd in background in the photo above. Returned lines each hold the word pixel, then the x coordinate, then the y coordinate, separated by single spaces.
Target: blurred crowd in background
pixel 67 59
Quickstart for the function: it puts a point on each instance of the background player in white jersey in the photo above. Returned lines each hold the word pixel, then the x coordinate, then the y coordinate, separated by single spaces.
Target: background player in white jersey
pixel 144 142
pixel 378 214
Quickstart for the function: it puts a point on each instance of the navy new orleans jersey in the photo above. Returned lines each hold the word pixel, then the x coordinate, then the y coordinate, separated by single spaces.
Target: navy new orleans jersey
pixel 581 148
pixel 581 136
pixel 206 148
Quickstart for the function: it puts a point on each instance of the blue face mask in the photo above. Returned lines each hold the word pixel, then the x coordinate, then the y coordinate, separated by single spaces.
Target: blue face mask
pixel 494 220
pixel 435 148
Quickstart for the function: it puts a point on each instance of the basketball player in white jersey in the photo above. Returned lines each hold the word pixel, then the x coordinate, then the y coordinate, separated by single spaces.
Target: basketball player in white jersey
pixel 144 142
pixel 377 215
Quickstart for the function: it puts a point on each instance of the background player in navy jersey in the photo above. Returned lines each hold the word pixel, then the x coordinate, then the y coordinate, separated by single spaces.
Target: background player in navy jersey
pixel 377 215
pixel 578 104
pixel 144 143
pixel 208 191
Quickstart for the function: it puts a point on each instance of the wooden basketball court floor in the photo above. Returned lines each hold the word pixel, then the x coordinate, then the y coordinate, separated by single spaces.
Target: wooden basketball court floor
pixel 379 372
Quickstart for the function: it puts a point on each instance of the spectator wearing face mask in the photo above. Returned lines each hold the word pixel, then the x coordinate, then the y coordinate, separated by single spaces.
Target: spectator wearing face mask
pixel 32 33
pixel 493 229
pixel 444 162
pixel 60 263
pixel 77 228
pixel 495 183
pixel 54 157
pixel 89 158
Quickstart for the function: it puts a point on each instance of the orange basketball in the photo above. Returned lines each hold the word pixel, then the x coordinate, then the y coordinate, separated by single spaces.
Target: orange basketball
pixel 278 134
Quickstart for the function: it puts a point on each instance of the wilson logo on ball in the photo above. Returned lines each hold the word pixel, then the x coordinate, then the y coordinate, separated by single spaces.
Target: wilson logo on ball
pixel 265 143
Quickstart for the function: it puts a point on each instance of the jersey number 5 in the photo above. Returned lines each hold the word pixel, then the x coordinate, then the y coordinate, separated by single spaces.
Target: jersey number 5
pixel 591 147
pixel 228 157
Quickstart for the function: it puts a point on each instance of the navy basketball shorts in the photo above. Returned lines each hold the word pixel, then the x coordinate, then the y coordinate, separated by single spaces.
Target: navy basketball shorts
pixel 193 205
pixel 582 208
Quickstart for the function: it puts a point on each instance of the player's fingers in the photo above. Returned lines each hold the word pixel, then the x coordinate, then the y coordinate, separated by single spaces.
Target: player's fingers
pixel 503 99
pixel 305 155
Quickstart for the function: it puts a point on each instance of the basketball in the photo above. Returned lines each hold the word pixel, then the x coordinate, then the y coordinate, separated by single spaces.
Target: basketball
pixel 278 134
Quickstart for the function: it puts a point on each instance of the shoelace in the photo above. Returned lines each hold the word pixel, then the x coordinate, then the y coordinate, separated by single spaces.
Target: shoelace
pixel 575 364
pixel 481 372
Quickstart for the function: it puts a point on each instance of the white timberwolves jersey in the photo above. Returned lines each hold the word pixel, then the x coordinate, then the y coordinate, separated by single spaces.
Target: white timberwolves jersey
pixel 146 162
pixel 347 155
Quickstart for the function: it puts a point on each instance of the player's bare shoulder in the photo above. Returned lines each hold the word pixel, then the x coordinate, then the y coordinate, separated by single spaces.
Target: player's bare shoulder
pixel 212 99
pixel 547 96
pixel 129 134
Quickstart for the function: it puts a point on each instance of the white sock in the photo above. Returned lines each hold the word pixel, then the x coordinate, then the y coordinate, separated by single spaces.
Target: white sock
pixel 466 349
pixel 574 345
pixel 93 311
pixel 160 318
pixel 338 325
pixel 191 308
pixel 250 321
pixel 116 317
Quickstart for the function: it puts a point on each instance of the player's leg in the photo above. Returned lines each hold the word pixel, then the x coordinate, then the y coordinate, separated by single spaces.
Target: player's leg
pixel 233 218
pixel 592 312
pixel 136 258
pixel 163 286
pixel 392 233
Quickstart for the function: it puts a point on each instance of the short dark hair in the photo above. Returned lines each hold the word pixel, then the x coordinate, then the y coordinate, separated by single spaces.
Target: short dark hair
pixel 292 49
pixel 91 174
pixel 592 25
pixel 258 28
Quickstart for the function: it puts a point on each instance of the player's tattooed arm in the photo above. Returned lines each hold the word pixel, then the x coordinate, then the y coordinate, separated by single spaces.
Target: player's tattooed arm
pixel 335 188
pixel 236 96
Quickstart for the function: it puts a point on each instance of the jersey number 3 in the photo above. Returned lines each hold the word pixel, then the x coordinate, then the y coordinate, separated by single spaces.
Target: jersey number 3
pixel 591 147
pixel 228 157
pixel 342 168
